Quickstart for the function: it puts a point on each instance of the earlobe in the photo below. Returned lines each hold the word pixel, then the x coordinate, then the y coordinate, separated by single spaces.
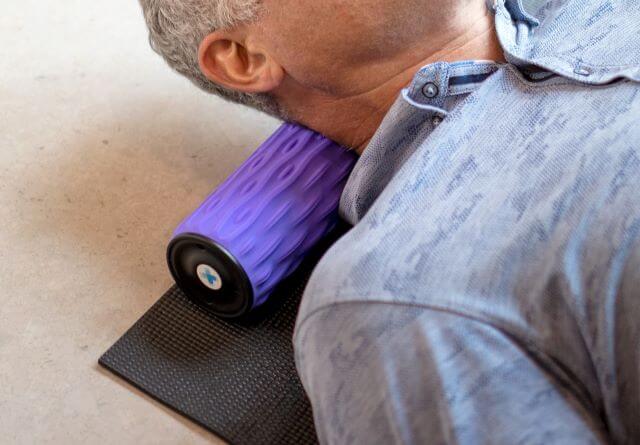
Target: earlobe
pixel 235 64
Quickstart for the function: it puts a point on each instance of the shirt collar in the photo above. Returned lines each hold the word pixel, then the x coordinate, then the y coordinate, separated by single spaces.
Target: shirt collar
pixel 538 48
pixel 421 107
pixel 434 83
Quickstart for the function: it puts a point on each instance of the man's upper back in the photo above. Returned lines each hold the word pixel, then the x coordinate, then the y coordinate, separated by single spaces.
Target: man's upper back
pixel 517 208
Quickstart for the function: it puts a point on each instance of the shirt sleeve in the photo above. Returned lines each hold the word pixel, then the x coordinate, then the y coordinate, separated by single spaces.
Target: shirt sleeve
pixel 385 373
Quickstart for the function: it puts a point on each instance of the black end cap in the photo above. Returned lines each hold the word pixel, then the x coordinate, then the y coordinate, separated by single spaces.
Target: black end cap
pixel 189 250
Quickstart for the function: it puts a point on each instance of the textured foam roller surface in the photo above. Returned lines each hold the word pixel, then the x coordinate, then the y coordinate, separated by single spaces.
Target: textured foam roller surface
pixel 235 378
pixel 276 206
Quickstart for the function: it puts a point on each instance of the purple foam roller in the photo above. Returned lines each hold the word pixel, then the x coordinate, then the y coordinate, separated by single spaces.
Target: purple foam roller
pixel 256 228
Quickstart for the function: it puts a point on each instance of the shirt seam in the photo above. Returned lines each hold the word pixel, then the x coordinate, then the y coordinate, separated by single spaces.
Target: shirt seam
pixel 563 80
pixel 544 358
pixel 435 307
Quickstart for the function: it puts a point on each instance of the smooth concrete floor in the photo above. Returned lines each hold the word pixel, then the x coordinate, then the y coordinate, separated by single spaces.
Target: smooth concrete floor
pixel 103 150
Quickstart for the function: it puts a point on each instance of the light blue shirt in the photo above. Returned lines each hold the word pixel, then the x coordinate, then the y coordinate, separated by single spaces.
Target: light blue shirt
pixel 489 292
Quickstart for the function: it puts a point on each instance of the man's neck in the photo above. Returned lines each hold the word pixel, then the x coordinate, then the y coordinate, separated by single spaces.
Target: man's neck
pixel 353 119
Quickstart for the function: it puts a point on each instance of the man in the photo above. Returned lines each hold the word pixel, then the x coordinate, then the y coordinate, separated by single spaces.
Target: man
pixel 489 291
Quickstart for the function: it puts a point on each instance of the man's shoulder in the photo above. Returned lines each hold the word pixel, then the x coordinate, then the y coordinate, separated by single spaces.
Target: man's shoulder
pixel 478 231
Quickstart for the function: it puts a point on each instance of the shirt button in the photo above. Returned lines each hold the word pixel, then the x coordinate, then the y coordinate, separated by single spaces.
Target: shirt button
pixel 582 71
pixel 437 120
pixel 430 90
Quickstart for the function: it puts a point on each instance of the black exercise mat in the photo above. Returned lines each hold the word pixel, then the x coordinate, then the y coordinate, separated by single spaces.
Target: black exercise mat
pixel 235 378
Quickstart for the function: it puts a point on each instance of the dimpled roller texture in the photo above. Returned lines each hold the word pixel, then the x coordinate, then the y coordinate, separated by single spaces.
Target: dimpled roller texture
pixel 277 205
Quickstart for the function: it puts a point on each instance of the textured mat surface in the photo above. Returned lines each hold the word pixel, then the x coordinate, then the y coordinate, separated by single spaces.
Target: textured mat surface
pixel 238 378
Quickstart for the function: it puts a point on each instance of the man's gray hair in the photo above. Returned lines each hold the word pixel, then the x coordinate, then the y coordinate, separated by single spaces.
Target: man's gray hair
pixel 177 27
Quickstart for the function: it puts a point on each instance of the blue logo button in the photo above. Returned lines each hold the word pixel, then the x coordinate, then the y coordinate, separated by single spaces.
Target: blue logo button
pixel 209 277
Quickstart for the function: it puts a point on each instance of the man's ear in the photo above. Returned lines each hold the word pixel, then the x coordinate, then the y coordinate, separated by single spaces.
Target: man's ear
pixel 238 64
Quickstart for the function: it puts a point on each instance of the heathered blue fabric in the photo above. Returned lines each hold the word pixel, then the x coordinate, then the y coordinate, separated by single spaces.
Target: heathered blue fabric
pixel 489 292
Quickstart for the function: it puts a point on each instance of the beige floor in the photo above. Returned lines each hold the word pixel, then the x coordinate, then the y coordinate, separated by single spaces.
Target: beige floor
pixel 102 151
